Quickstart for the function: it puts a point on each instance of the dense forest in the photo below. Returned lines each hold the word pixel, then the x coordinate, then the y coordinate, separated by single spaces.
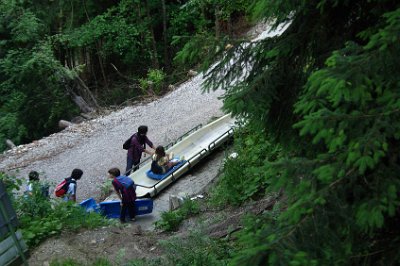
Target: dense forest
pixel 320 105
pixel 62 58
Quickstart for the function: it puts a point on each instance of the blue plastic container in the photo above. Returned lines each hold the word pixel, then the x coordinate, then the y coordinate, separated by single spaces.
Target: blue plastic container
pixel 112 209
pixel 90 205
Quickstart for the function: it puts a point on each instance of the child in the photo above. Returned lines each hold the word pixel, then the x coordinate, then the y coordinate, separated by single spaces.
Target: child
pixel 34 182
pixel 126 195
pixel 162 162
pixel 71 192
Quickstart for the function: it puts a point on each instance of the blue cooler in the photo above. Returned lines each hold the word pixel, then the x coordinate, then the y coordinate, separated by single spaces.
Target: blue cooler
pixel 112 209
pixel 90 205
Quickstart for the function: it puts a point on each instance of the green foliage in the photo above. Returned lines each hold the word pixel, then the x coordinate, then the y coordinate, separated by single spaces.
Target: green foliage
pixel 41 217
pixel 327 91
pixel 154 81
pixel 120 35
pixel 40 97
pixel 58 216
pixel 111 42
pixel 74 262
pixel 146 262
pixel 105 189
pixel 171 220
pixel 195 49
pixel 196 249
pixel 244 177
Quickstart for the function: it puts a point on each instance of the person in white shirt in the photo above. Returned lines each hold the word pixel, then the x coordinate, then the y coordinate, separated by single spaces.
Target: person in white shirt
pixel 71 193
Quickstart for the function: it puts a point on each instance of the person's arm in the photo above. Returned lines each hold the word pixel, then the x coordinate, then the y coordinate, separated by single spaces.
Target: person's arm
pixel 72 192
pixel 148 152
pixel 148 142
pixel 117 192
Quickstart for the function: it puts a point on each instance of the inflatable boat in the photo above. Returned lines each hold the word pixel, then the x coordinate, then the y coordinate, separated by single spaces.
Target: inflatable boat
pixel 193 147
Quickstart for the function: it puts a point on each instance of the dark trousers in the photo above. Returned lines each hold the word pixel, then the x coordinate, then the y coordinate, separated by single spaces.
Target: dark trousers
pixel 131 165
pixel 130 207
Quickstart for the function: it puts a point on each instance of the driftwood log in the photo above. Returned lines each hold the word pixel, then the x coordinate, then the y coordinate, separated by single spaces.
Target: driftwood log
pixel 10 144
pixel 64 124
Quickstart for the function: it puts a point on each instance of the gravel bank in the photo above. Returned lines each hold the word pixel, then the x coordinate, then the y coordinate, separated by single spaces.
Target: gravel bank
pixel 96 145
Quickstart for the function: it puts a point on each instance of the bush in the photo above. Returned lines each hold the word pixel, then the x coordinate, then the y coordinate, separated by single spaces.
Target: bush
pixel 244 177
pixel 170 221
pixel 41 217
pixel 196 249
pixel 154 81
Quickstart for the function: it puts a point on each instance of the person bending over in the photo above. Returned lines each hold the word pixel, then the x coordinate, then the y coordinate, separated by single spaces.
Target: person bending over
pixel 126 195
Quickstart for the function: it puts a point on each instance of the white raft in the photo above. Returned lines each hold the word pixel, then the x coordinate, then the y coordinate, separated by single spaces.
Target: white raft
pixel 194 146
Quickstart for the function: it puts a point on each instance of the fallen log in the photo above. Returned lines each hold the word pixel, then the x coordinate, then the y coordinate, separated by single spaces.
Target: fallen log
pixel 10 144
pixel 64 124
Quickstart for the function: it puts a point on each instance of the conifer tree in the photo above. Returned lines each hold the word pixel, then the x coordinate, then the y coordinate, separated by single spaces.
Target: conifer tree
pixel 328 90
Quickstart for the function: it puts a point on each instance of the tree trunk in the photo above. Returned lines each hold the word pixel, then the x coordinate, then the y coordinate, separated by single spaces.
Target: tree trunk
pixel 82 104
pixel 217 22
pixel 86 91
pixel 156 64
pixel 166 46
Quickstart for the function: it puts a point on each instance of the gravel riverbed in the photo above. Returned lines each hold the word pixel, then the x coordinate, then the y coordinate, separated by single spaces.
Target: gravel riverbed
pixel 96 145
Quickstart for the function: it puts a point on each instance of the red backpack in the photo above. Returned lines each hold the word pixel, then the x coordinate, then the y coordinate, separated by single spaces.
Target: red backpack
pixel 62 188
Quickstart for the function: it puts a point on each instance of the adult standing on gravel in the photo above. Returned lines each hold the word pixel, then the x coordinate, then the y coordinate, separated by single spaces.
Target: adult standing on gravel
pixel 137 147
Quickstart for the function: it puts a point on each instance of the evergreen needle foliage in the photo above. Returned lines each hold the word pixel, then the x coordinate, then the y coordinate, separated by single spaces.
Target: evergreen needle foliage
pixel 327 91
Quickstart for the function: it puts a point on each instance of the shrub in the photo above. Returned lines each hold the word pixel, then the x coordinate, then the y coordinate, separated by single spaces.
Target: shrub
pixel 244 177
pixel 196 249
pixel 171 220
pixel 41 217
pixel 154 81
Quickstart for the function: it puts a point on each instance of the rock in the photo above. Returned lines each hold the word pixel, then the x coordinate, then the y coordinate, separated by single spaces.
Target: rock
pixel 191 73
pixel 175 202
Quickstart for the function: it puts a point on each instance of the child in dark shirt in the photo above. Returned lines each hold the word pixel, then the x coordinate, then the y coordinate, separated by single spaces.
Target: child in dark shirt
pixel 126 195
